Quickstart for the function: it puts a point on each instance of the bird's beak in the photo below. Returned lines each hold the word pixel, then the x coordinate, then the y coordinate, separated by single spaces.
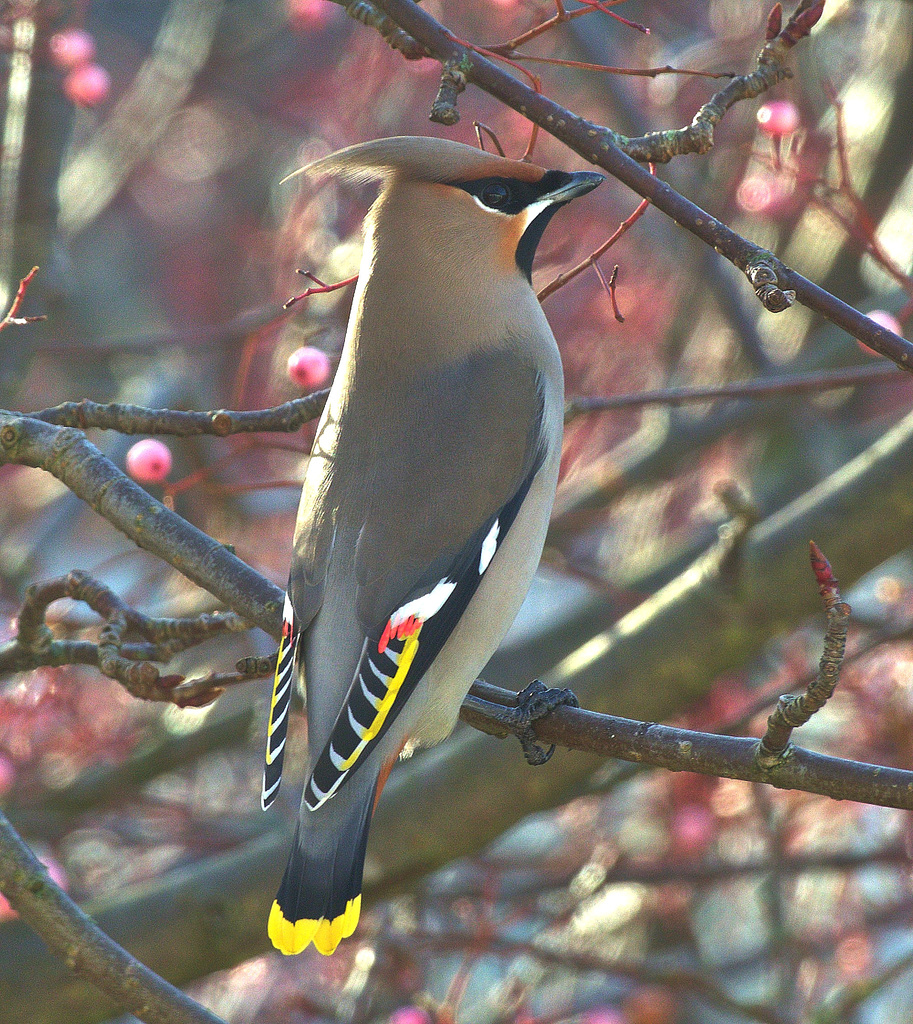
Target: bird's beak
pixel 577 184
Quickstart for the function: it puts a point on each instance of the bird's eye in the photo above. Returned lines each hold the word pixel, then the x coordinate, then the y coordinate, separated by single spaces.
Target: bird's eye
pixel 495 195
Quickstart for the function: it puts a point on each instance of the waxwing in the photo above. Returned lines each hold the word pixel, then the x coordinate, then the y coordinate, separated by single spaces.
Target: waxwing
pixel 426 497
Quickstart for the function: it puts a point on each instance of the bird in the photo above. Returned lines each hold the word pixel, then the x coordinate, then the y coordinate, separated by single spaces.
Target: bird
pixel 426 497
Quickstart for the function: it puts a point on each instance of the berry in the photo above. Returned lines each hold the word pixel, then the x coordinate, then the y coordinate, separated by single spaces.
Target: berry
pixel 692 829
pixel 763 193
pixel 149 461
pixel 309 367
pixel 887 320
pixel 409 1015
pixel 6 911
pixel 308 14
pixel 603 1015
pixel 884 319
pixel 72 48
pixel 87 85
pixel 778 118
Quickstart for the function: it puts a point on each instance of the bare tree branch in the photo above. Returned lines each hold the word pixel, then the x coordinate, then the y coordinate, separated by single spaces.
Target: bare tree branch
pixel 68 455
pixel 772 280
pixel 728 757
pixel 84 947
pixel 129 664
pixel 792 711
pixel 764 387
pixel 134 419
pixel 559 956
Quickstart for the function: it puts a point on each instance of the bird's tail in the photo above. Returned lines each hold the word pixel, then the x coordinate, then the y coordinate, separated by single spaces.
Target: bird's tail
pixel 319 899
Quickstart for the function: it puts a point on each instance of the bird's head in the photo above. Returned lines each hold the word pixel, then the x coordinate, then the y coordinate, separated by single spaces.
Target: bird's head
pixel 460 196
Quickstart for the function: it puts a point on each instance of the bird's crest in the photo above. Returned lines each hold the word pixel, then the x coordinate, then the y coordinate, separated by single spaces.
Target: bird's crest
pixel 420 158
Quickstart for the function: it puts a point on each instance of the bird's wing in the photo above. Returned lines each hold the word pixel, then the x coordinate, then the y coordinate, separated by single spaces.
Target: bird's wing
pixel 314 535
pixel 441 502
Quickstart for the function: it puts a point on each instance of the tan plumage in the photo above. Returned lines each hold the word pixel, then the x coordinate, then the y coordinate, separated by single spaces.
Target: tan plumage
pixel 426 498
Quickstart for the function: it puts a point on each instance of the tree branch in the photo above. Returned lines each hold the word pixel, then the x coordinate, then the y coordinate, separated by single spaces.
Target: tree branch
pixel 684 750
pixel 134 419
pixel 69 456
pixel 129 664
pixel 764 387
pixel 772 280
pixel 83 946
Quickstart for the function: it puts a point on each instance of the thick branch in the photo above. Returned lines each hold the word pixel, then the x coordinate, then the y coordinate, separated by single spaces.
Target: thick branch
pixel 69 456
pixel 597 144
pixel 85 948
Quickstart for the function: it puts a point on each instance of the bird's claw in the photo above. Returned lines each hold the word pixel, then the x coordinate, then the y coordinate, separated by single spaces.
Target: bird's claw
pixel 534 702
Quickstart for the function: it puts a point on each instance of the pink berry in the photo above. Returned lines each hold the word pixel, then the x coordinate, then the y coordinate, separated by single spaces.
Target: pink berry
pixel 693 828
pixel 6 911
pixel 603 1015
pixel 887 320
pixel 72 48
pixel 56 872
pixel 884 319
pixel 778 118
pixel 7 775
pixel 309 367
pixel 409 1015
pixel 305 14
pixel 87 85
pixel 763 193
pixel 149 461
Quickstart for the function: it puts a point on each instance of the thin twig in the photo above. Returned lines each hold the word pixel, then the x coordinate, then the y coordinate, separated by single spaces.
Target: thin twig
pixel 12 317
pixel 582 65
pixel 839 1006
pixel 77 463
pixel 480 127
pixel 320 288
pixel 568 275
pixel 766 387
pixel 793 712
pixel 572 959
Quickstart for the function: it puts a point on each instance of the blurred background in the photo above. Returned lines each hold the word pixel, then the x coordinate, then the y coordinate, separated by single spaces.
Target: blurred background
pixel 144 147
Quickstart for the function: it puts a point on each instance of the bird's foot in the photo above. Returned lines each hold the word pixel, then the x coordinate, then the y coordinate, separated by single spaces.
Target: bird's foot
pixel 534 702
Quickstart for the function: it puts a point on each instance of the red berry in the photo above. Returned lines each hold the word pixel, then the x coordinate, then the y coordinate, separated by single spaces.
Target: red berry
pixel 778 118
pixel 409 1015
pixel 87 85
pixel 149 461
pixel 72 48
pixel 309 367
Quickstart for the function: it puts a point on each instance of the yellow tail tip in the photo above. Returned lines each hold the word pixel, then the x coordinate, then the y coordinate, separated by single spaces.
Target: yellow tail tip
pixel 291 937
